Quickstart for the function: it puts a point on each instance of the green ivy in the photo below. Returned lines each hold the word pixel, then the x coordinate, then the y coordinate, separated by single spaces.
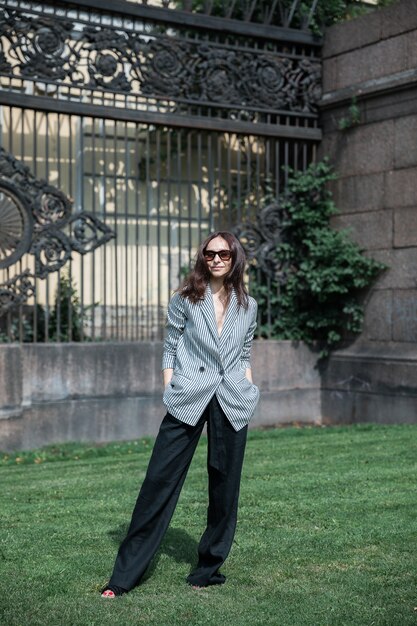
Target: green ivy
pixel 67 317
pixel 327 12
pixel 327 274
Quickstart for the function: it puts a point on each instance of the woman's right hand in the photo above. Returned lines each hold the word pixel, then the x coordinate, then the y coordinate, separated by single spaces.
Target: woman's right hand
pixel 167 374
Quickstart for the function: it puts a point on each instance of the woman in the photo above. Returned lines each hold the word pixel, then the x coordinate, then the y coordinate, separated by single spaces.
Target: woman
pixel 211 321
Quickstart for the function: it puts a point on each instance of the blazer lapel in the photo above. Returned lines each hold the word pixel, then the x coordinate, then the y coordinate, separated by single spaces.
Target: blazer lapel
pixel 207 308
pixel 231 315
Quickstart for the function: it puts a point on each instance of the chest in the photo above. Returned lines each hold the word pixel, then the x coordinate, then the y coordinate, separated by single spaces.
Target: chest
pixel 220 309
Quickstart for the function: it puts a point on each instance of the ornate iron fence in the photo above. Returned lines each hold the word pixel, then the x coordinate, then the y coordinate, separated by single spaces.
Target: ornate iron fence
pixel 153 125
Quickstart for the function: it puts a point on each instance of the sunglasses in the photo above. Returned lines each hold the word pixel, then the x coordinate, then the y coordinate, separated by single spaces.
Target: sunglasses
pixel 224 255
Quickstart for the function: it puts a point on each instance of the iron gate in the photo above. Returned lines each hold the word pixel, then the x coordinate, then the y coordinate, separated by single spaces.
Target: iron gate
pixel 128 132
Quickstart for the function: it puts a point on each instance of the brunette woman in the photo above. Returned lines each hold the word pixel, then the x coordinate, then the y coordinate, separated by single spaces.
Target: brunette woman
pixel 207 376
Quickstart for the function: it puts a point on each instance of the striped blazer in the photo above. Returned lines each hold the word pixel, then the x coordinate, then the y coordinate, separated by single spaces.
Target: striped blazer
pixel 205 363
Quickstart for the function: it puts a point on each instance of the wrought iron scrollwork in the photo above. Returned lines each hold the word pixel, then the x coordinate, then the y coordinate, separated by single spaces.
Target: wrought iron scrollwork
pixel 16 291
pixel 36 218
pixel 15 225
pixel 63 51
pixel 260 241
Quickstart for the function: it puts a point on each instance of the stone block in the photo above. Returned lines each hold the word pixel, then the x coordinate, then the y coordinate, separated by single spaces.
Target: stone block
pixel 359 193
pixel 105 392
pixel 95 420
pixel 364 149
pixel 10 380
pixel 399 18
pixel 379 59
pixel 404 319
pixel 405 142
pixel 402 268
pixel 339 407
pixel 400 188
pixel 350 69
pixel 371 382
pixel 378 316
pixel 372 230
pixel 353 34
pixel 411 40
pixel 282 365
pixel 397 102
pixel 405 227
pixel 62 371
pixel 365 370
pixel 285 407
pixel 330 74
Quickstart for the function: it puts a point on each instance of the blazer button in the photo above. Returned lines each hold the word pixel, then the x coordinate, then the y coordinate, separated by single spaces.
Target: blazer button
pixel 221 372
pixel 202 369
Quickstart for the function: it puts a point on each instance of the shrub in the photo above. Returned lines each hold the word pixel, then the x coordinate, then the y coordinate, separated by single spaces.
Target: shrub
pixel 319 296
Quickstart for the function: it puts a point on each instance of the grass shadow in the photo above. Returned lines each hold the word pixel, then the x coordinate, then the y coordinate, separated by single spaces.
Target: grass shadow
pixel 118 534
pixel 177 544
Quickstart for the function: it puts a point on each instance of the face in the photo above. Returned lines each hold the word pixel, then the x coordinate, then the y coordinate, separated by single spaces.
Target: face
pixel 218 268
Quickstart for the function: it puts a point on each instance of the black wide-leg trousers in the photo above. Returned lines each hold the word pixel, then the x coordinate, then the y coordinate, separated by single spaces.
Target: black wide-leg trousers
pixel 171 457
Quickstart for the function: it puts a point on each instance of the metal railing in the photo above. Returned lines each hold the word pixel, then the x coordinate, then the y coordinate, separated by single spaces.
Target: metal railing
pixel 127 137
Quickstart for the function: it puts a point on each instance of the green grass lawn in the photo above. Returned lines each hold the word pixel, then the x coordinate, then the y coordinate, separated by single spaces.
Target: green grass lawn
pixel 326 534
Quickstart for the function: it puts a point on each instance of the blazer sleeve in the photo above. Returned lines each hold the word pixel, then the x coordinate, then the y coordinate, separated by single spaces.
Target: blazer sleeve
pixel 247 345
pixel 176 319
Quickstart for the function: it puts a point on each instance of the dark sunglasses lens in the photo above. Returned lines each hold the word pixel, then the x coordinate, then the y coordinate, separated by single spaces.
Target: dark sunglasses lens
pixel 224 255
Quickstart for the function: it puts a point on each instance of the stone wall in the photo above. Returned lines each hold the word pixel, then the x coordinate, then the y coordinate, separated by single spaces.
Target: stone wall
pixel 374 60
pixel 105 392
pixel 101 392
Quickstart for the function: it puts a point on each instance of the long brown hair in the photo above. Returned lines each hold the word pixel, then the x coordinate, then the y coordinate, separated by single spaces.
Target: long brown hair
pixel 194 286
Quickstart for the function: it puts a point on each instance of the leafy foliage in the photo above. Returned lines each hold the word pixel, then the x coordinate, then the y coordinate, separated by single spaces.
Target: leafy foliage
pixel 326 274
pixel 66 322
pixel 352 118
pixel 20 324
pixel 333 11
pixel 327 12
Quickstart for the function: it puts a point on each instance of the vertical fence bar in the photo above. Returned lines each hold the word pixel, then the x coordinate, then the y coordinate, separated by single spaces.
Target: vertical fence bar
pixel 115 272
pixel 148 236
pixel 81 178
pixel 179 200
pixel 199 184
pixel 238 180
pixel 168 203
pixel 22 154
pixel 158 205
pixel 126 231
pixel 219 181
pixel 46 169
pixel 211 178
pixel 71 177
pixel 230 191
pixel 189 189
pixel 135 256
pixel 94 210
pixel 103 207
pixel 58 286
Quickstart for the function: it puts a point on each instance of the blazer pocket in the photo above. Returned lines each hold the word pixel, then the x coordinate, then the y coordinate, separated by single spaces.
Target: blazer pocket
pixel 179 380
pixel 240 381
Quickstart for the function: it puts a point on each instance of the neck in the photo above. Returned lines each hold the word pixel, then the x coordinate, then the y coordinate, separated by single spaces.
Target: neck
pixel 216 285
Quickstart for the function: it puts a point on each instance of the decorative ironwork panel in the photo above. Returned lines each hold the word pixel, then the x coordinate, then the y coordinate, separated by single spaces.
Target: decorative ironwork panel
pixel 33 216
pixel 142 125
pixel 147 65
pixel 260 238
